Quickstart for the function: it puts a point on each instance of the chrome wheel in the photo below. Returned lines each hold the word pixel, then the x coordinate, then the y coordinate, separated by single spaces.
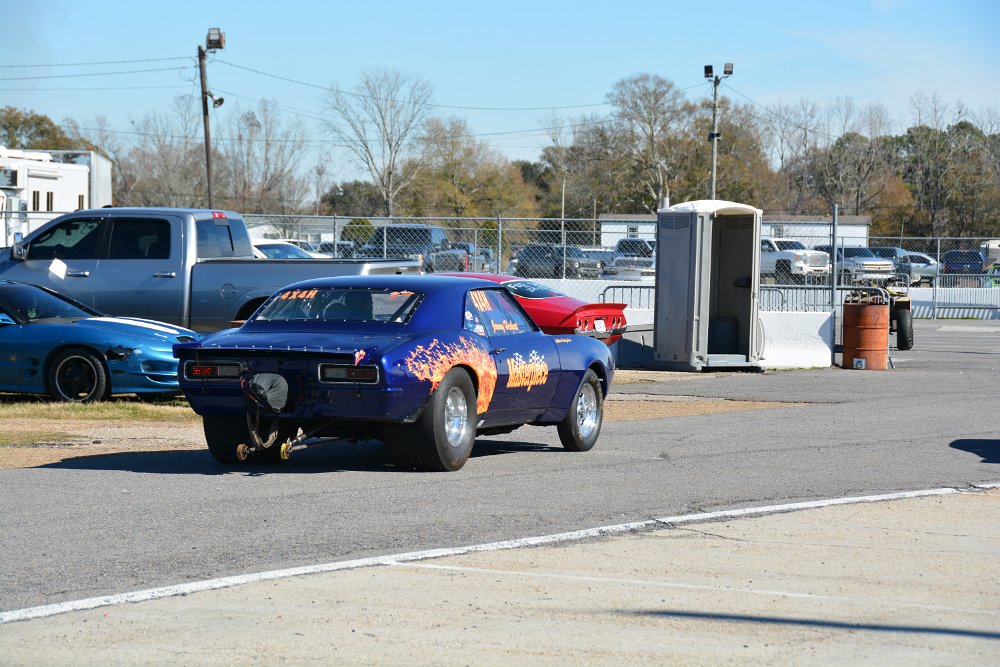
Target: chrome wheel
pixel 586 410
pixel 456 417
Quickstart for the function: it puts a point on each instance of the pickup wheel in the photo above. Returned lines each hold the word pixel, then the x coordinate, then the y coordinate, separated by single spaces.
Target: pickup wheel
pixel 904 330
pixel 579 430
pixel 443 436
pixel 77 375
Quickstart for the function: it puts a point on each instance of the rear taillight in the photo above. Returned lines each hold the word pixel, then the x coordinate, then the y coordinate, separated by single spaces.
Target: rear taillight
pixel 348 373
pixel 197 370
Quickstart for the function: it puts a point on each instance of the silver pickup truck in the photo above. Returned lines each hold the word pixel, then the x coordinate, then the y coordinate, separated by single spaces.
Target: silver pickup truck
pixel 191 267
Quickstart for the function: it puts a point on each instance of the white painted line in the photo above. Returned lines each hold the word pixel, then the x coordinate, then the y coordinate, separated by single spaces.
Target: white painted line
pixel 661 583
pixel 238 580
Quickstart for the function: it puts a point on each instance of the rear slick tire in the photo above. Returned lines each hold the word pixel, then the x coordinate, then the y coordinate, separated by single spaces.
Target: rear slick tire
pixel 445 432
pixel 579 430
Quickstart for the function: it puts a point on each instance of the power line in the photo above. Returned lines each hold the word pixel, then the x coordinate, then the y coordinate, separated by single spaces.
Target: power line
pixel 74 76
pixel 439 106
pixel 102 62
pixel 46 90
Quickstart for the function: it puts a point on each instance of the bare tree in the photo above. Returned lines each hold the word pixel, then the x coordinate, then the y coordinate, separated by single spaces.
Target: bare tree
pixel 259 159
pixel 650 109
pixel 167 161
pixel 375 123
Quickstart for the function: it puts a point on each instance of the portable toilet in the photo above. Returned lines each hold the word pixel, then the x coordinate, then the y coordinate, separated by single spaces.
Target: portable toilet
pixel 707 282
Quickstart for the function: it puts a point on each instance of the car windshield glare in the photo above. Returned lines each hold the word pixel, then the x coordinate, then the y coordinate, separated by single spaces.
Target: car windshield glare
pixel 340 304
pixel 31 303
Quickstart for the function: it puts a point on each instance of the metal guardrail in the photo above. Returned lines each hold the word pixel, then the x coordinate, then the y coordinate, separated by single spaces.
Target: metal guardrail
pixel 634 296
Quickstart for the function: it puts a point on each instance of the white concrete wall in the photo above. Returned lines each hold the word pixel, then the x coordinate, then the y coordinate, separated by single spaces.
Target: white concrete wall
pixel 797 340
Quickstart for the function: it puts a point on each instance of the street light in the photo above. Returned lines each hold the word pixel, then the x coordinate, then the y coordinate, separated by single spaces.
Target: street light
pixel 714 135
pixel 215 40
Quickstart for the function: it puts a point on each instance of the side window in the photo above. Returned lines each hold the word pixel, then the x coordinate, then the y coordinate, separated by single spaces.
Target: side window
pixel 79 238
pixel 495 311
pixel 765 246
pixel 139 238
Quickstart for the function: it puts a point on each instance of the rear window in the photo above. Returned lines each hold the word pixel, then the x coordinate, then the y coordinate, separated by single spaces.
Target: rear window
pixel 531 290
pixel 216 238
pixel 340 304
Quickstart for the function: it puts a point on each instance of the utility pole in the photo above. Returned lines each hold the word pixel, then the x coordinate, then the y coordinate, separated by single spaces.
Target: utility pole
pixel 215 40
pixel 714 135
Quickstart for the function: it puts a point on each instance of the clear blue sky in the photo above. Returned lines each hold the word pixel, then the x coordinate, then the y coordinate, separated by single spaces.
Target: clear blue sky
pixel 511 61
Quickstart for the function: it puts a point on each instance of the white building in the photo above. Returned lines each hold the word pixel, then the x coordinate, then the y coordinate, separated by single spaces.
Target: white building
pixel 36 186
pixel 852 230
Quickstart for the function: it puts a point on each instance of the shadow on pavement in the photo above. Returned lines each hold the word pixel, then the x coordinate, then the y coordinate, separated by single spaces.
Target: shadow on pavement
pixel 819 623
pixel 988 450
pixel 369 456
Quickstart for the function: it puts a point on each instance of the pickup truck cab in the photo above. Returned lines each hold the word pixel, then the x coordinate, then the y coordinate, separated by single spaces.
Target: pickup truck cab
pixel 788 261
pixel 191 267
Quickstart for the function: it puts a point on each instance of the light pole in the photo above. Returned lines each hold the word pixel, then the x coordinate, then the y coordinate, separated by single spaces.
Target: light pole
pixel 214 41
pixel 714 135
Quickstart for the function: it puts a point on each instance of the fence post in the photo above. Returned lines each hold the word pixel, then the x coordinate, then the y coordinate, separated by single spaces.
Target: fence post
pixel 500 244
pixel 937 279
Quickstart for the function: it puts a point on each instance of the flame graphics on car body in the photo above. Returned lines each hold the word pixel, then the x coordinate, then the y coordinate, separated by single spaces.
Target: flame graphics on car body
pixel 359 357
pixel 527 373
pixel 431 362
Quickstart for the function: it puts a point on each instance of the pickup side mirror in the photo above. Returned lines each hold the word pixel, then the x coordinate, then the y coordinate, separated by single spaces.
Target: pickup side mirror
pixel 18 250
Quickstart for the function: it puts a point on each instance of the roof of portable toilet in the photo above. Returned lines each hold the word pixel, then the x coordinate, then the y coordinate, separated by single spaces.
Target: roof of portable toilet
pixel 715 206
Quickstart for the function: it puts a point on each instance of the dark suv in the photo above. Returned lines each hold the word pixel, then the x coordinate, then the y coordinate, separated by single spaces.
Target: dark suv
pixel 960 268
pixel 537 260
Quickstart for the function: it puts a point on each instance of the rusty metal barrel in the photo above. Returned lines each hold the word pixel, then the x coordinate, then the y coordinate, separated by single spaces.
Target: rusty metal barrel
pixel 865 336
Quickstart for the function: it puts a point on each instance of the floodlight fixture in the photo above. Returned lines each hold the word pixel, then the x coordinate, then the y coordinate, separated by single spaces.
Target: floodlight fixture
pixel 215 40
pixel 708 71
pixel 728 69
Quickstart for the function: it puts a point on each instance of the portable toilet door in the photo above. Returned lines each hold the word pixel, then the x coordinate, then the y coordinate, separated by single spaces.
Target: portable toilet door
pixel 707 283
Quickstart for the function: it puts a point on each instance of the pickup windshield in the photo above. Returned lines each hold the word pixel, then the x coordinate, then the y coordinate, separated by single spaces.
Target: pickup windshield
pixel 790 245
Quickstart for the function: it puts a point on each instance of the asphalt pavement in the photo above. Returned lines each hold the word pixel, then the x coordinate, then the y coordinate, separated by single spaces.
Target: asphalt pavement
pixel 763 563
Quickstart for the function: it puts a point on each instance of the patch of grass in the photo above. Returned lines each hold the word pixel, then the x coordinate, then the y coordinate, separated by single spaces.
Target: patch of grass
pixel 23 406
pixel 7 439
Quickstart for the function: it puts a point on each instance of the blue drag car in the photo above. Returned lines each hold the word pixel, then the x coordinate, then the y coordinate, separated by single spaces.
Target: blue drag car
pixel 53 345
pixel 423 363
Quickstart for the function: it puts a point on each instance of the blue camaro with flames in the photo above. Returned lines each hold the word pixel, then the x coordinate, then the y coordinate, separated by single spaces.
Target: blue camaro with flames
pixel 423 363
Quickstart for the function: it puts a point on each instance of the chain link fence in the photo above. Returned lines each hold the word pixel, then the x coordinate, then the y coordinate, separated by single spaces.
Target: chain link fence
pixel 946 277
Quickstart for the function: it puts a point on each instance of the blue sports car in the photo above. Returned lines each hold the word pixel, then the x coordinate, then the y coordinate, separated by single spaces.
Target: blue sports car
pixel 50 344
pixel 423 363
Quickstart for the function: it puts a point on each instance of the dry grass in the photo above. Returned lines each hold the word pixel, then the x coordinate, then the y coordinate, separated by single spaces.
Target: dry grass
pixel 39 409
